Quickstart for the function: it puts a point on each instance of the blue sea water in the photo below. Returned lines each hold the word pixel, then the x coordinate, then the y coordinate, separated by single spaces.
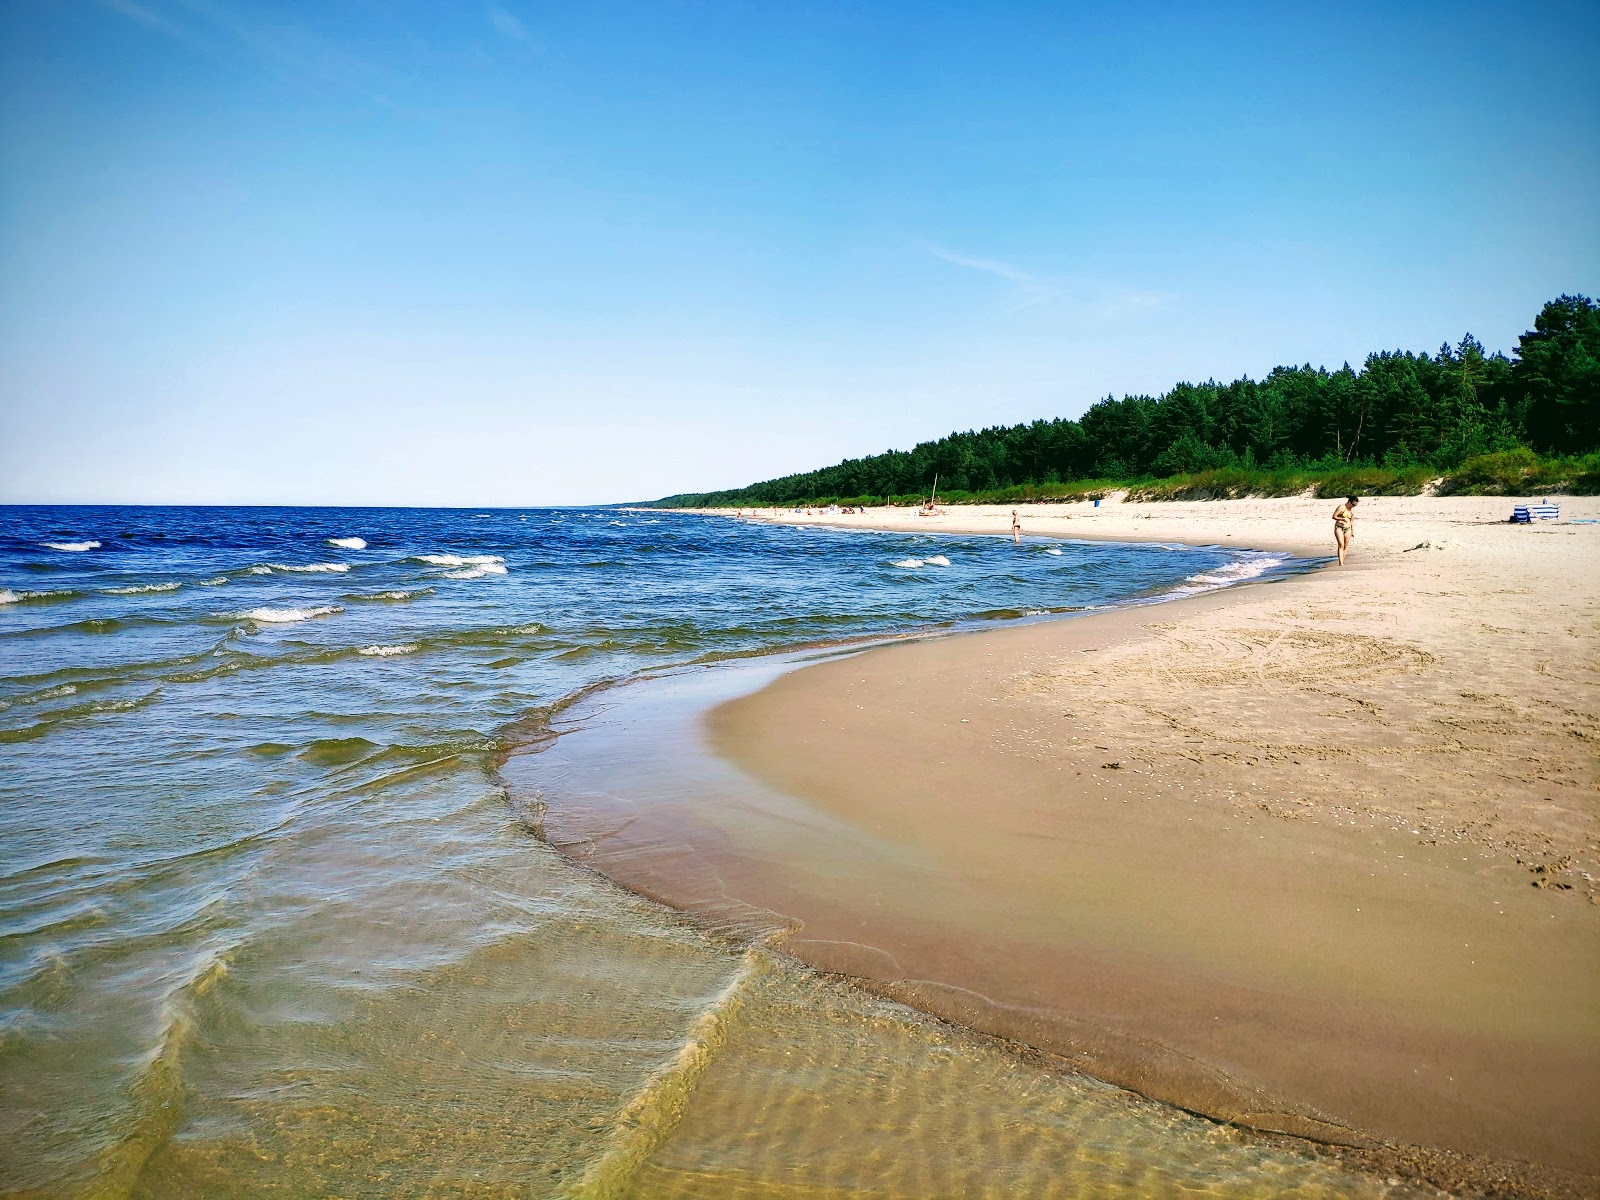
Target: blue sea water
pixel 266 916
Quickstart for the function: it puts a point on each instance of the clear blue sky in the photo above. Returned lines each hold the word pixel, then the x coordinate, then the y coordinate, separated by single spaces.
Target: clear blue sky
pixel 502 253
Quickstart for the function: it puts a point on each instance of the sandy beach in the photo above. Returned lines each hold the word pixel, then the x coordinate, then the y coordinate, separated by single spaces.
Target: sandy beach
pixel 1318 856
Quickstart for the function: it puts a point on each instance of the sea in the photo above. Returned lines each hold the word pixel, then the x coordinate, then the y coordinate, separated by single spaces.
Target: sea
pixel 271 923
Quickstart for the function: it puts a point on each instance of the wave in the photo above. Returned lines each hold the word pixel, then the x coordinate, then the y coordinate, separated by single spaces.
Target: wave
pixel 349 543
pixel 477 572
pixel 74 712
pixel 71 547
pixel 259 570
pixel 91 625
pixel 1238 571
pixel 910 564
pixel 7 596
pixel 280 616
pixel 54 693
pixel 140 588
pixel 312 568
pixel 937 560
pixel 457 560
pixel 397 596
pixel 217 582
pixel 387 651
pixel 1051 550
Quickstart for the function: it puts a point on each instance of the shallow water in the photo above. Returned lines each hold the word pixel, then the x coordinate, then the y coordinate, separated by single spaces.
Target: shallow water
pixel 269 924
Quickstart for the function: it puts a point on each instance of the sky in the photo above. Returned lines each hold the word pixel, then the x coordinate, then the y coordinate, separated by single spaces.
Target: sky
pixel 503 253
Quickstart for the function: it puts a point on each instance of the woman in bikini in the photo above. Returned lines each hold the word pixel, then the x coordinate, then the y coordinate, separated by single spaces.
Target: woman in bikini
pixel 1016 527
pixel 1344 525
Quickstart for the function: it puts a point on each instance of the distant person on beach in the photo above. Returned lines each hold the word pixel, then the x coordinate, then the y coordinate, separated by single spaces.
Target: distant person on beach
pixel 1344 525
pixel 1016 528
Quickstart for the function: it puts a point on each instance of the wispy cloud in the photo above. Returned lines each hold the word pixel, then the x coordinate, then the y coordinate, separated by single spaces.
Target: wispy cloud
pixel 209 26
pixel 143 14
pixel 508 25
pixel 1034 289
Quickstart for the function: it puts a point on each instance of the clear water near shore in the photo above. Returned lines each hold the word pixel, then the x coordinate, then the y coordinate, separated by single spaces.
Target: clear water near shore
pixel 269 926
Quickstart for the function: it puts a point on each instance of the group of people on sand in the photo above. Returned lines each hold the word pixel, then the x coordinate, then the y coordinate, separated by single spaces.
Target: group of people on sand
pixel 1344 526
pixel 1344 520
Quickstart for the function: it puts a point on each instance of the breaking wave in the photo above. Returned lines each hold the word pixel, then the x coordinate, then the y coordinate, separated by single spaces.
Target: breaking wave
pixel 7 596
pixel 1238 571
pixel 396 596
pixel 72 547
pixel 349 543
pixel 138 589
pixel 281 616
pixel 458 560
pixel 387 651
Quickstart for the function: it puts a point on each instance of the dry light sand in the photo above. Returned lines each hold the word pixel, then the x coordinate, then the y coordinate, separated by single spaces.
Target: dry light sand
pixel 1318 856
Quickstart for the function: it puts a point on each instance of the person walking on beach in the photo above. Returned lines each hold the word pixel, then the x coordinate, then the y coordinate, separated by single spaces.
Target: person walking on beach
pixel 1016 528
pixel 1344 525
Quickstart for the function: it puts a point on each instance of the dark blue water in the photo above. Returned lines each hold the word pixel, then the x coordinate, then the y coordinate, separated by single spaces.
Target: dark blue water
pixel 254 856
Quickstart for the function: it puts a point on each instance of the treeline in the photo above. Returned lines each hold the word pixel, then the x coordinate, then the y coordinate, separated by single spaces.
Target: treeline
pixel 1399 420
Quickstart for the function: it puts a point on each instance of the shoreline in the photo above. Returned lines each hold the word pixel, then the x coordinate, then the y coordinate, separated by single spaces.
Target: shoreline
pixel 1158 711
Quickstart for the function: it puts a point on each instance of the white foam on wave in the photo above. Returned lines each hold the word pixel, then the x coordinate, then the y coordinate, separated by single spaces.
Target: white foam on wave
pixel 72 547
pixel 217 582
pixel 937 560
pixel 910 564
pixel 259 570
pixel 396 595
pixel 457 560
pixel 312 568
pixel 387 651
pixel 349 543
pixel 136 589
pixel 477 572
pixel 1051 550
pixel 282 616
pixel 7 596
pixel 1237 571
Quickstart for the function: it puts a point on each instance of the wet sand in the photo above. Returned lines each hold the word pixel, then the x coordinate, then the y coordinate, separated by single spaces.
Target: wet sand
pixel 1317 856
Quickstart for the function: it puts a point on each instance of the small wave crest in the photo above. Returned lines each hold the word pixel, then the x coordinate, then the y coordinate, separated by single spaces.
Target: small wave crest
pixel 910 564
pixel 387 651
pixel 1051 550
pixel 140 588
pixel 311 568
pixel 477 572
pixel 7 596
pixel 281 616
pixel 937 560
pixel 397 596
pixel 458 560
pixel 349 543
pixel 72 547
